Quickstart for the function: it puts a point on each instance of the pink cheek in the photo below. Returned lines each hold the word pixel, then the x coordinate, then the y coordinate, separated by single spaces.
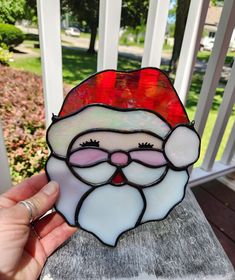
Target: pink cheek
pixel 153 158
pixel 87 157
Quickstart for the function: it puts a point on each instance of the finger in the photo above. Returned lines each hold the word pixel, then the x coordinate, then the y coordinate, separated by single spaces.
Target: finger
pixel 27 188
pixel 57 237
pixel 47 224
pixel 40 203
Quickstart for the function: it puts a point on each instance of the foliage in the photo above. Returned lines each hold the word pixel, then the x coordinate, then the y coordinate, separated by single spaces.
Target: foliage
pixel 22 114
pixel 172 11
pixel 85 10
pixel 133 36
pixel 171 29
pixel 88 11
pixel 134 13
pixel 30 11
pixel 11 10
pixel 5 55
pixel 10 35
pixel 217 2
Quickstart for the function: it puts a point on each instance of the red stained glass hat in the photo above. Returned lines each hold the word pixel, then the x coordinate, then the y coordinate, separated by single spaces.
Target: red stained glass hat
pixel 147 88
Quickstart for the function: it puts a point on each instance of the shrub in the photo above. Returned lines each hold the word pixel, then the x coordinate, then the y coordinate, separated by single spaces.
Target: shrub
pixel 10 35
pixel 23 119
pixel 5 55
pixel 22 116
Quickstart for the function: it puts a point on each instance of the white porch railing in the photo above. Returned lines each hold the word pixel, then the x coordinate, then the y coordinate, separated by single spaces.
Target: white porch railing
pixel 109 24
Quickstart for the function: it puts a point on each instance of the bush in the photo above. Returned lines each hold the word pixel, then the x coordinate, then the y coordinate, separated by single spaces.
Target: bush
pixel 5 55
pixel 22 116
pixel 10 35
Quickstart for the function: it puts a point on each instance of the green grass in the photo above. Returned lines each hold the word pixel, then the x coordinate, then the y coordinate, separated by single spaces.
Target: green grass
pixel 141 44
pixel 31 64
pixel 167 48
pixel 30 43
pixel 86 35
pixel 78 65
pixel 207 133
pixel 205 55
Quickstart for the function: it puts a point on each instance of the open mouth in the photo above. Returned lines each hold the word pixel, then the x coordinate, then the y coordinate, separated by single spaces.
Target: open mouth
pixel 118 178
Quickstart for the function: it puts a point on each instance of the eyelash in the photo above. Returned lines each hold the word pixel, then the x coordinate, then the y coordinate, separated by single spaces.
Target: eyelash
pixel 96 143
pixel 145 145
pixel 91 142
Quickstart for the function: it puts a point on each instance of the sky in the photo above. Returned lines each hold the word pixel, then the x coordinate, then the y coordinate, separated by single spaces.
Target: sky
pixel 171 18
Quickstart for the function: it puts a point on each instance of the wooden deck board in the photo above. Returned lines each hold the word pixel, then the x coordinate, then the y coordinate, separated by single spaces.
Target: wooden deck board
pixel 216 212
pixel 228 244
pixel 218 204
pixel 221 193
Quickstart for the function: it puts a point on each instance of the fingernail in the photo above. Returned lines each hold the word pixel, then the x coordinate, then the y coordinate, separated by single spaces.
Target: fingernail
pixel 50 188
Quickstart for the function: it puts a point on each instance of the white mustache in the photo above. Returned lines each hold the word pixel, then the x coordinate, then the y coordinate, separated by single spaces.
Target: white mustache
pixel 135 173
pixel 139 174
pixel 96 174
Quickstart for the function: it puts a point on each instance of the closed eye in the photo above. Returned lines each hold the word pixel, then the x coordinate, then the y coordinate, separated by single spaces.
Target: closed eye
pixel 90 142
pixel 145 145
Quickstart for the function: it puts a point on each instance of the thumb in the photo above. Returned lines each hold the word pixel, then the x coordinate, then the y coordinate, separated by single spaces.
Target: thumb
pixel 39 204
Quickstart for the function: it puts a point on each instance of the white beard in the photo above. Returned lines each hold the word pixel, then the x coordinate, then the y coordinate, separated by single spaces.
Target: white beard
pixel 110 210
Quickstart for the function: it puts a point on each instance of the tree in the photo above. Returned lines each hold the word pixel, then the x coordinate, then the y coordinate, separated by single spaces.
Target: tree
pixel 85 10
pixel 11 10
pixel 30 12
pixel 217 2
pixel 181 18
pixel 134 13
pixel 88 11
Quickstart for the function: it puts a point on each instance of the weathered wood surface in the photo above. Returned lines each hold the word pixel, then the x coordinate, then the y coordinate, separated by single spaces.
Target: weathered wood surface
pixel 181 247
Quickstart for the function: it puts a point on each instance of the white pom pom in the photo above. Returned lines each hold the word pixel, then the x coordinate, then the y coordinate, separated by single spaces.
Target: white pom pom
pixel 182 146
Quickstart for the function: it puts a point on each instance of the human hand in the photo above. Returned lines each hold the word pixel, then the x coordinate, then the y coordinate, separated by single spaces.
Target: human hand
pixel 25 247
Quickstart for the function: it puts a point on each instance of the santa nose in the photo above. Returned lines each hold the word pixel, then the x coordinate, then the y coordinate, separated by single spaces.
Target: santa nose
pixel 119 158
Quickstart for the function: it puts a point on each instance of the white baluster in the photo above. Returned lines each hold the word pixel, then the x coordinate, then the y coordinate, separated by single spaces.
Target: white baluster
pixel 50 47
pixel 109 25
pixel 215 64
pixel 155 32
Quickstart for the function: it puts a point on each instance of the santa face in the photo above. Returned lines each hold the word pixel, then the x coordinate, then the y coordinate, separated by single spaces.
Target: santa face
pixel 100 157
pixel 118 168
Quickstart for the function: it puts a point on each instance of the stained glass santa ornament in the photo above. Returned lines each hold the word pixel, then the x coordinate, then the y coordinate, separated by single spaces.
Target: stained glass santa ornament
pixel 120 149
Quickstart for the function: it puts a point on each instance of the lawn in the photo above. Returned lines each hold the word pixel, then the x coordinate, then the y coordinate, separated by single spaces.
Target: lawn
pixel 205 55
pixel 78 65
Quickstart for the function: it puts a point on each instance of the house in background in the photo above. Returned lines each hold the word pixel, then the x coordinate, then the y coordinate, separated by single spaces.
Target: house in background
pixel 210 28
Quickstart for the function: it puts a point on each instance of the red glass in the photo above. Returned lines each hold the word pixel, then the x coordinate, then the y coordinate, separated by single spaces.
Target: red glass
pixel 147 88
